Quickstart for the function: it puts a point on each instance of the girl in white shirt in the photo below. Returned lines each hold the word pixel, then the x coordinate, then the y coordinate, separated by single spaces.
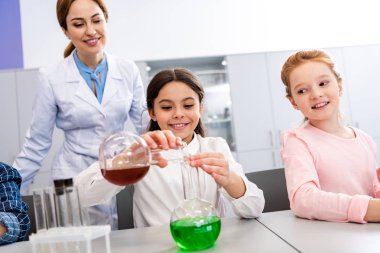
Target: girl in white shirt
pixel 174 99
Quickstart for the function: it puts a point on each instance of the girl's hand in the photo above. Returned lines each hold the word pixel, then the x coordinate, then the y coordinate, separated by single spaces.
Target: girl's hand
pixel 214 164
pixel 165 140
pixel 217 166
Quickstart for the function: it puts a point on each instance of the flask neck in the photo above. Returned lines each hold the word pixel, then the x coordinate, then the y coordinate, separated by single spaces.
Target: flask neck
pixel 190 178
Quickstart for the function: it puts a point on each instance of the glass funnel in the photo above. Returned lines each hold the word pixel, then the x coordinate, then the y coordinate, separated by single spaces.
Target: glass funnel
pixel 195 223
pixel 125 158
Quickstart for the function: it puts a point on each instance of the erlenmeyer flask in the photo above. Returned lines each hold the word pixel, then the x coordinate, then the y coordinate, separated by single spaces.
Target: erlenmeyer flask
pixel 195 223
pixel 125 158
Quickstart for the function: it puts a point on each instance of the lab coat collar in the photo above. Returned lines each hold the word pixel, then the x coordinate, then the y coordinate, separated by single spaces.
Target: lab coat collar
pixel 194 146
pixel 113 70
pixel 73 74
pixel 83 92
pixel 114 78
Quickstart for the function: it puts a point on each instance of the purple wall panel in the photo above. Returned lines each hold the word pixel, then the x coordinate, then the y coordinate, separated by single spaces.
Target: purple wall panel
pixel 11 56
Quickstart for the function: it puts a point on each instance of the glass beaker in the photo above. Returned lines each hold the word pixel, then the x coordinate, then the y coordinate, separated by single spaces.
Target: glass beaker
pixel 125 158
pixel 195 223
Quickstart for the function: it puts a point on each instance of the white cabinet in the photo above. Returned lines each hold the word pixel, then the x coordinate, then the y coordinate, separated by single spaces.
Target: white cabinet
pixel 251 102
pixel 261 111
pixel 252 111
pixel 9 139
pixel 284 115
pixel 363 81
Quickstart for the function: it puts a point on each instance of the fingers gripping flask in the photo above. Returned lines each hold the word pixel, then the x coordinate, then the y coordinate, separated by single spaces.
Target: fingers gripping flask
pixel 195 223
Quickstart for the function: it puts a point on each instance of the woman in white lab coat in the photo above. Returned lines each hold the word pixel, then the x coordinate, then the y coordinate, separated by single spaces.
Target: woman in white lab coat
pixel 88 95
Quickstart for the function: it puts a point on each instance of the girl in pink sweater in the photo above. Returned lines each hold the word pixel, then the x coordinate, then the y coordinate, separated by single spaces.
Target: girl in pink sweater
pixel 330 168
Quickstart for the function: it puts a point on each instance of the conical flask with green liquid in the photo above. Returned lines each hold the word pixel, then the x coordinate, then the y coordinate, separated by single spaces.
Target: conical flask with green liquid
pixel 195 223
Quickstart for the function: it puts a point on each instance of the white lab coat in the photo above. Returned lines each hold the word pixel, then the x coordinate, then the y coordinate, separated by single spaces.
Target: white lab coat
pixel 161 190
pixel 65 100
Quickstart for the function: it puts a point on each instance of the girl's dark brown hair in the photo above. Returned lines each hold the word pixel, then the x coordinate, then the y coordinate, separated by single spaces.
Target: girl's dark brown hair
pixel 169 75
pixel 62 9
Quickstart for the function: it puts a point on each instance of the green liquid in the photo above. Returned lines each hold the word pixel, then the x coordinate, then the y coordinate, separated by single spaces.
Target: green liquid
pixel 196 233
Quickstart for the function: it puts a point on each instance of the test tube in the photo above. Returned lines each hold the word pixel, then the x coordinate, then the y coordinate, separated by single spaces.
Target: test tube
pixel 74 214
pixel 50 210
pixel 60 203
pixel 39 209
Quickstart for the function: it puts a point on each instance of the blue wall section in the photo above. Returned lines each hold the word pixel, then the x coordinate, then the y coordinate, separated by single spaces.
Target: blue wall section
pixel 11 56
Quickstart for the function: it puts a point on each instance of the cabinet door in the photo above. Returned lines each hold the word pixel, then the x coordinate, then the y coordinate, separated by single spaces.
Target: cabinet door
pixel 9 139
pixel 284 115
pixel 251 102
pixel 363 72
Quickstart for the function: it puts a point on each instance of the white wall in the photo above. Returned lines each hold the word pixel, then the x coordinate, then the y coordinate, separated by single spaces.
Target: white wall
pixel 163 29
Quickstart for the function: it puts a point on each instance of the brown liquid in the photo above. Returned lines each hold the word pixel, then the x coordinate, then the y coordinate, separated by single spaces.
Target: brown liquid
pixel 125 176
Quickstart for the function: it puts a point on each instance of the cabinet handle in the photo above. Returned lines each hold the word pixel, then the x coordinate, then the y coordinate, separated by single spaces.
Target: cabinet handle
pixel 274 159
pixel 271 138
pixel 279 138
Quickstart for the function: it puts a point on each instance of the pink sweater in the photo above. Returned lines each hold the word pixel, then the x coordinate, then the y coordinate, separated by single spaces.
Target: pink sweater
pixel 328 177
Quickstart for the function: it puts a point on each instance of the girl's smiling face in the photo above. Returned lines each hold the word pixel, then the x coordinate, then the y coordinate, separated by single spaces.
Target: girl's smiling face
pixel 315 91
pixel 177 108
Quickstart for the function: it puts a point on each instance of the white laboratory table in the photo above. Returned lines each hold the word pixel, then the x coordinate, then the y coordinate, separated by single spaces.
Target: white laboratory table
pixel 321 236
pixel 237 235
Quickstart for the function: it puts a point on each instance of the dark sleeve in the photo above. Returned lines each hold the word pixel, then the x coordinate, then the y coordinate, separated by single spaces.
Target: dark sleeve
pixel 10 197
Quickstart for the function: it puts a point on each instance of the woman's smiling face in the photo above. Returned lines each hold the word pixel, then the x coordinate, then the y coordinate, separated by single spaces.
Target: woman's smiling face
pixel 86 28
